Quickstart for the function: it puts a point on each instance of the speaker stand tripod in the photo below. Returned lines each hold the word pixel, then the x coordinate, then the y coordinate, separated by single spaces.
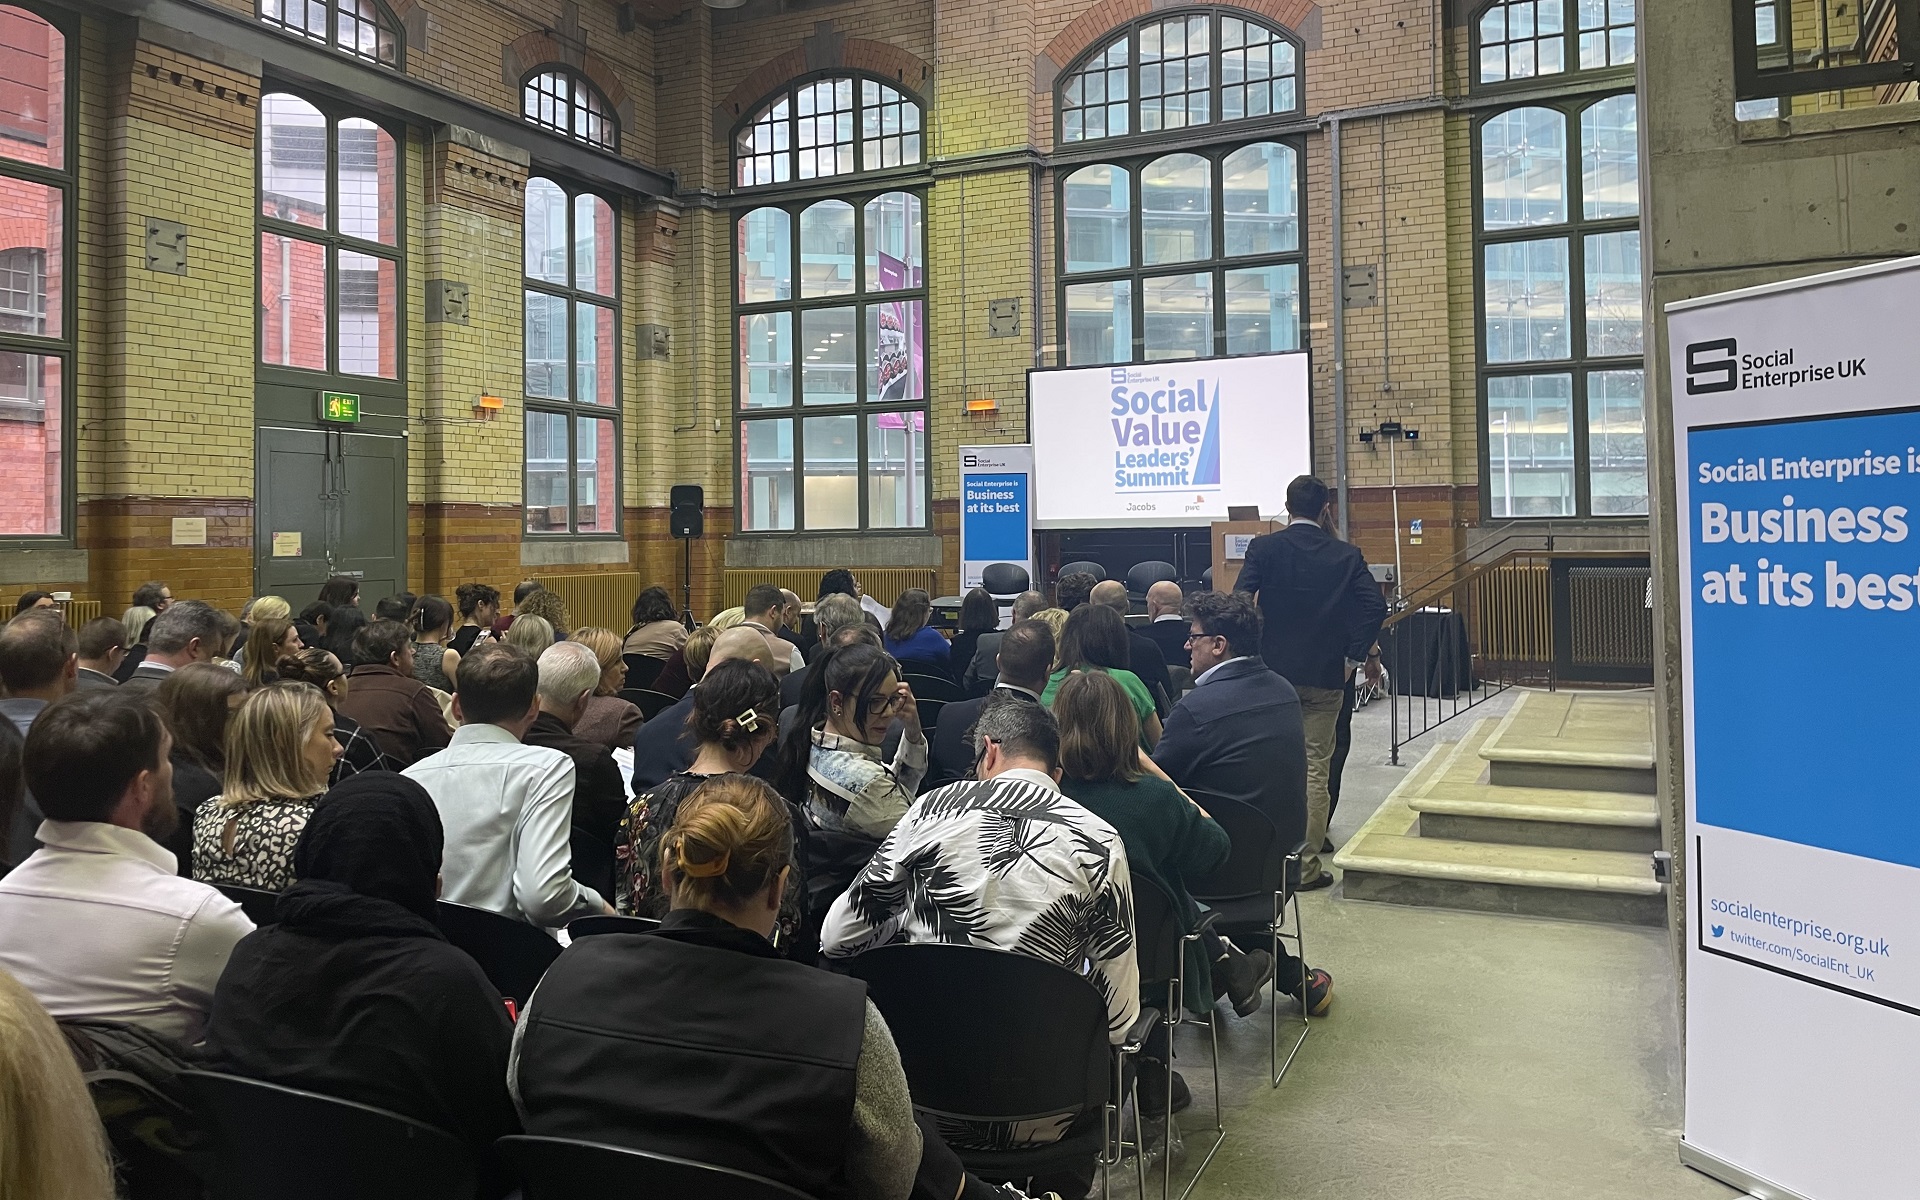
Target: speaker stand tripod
pixel 686 583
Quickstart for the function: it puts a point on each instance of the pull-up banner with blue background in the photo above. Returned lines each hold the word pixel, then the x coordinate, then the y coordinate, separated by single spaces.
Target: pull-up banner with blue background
pixel 1796 425
pixel 996 509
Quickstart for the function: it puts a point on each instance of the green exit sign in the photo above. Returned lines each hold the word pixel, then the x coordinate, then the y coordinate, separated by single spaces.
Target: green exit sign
pixel 341 408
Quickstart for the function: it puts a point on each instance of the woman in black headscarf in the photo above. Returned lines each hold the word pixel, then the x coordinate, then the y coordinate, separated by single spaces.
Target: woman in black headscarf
pixel 355 993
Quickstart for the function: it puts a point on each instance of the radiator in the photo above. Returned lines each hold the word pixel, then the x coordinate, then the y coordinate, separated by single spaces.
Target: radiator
pixel 77 612
pixel 604 599
pixel 882 583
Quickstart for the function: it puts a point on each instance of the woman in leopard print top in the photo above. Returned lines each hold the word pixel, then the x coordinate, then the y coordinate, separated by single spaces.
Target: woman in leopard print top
pixel 280 751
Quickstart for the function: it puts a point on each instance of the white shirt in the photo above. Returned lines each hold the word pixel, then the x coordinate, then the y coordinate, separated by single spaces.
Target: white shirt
pixel 508 813
pixel 97 924
pixel 1168 617
pixel 1207 674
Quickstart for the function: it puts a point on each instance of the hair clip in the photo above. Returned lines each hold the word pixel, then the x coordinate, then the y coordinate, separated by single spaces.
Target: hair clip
pixel 750 720
pixel 705 870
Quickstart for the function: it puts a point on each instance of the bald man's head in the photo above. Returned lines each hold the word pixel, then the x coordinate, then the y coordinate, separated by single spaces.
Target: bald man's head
pixel 1110 593
pixel 743 642
pixel 1163 598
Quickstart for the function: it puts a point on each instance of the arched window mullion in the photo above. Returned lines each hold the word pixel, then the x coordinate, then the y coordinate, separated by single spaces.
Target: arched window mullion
pixel 376 34
pixel 1520 42
pixel 777 143
pixel 564 101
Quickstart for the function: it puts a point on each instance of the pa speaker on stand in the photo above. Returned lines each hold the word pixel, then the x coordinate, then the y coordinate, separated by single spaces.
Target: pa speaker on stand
pixel 686 520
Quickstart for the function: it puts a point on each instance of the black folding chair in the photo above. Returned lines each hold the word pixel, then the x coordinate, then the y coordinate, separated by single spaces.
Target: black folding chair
pixel 1003 582
pixel 592 860
pixel 650 703
pixel 988 1035
pixel 280 1143
pixel 581 927
pixel 564 1169
pixel 1250 895
pixel 929 712
pixel 513 954
pixel 255 902
pixel 1161 950
pixel 1144 575
pixel 1084 567
pixel 932 687
pixel 642 669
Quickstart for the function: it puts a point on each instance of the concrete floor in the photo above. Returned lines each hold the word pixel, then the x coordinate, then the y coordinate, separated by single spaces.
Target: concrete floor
pixel 1467 1056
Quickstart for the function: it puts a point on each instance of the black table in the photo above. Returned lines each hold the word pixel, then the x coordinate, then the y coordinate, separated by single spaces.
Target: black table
pixel 1428 654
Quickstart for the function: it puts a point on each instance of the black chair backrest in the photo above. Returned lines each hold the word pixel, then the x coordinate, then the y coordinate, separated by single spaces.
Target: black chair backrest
pixel 642 669
pixel 280 1143
pixel 563 1169
pixel 257 904
pixel 650 703
pixel 513 953
pixel 581 927
pixel 1156 931
pixel 1206 579
pixel 988 1034
pixel 932 687
pixel 1005 579
pixel 1144 575
pixel 929 712
pixel 1084 568
pixel 1257 863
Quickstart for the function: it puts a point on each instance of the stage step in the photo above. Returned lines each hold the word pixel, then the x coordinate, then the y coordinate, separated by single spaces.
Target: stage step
pixel 1587 741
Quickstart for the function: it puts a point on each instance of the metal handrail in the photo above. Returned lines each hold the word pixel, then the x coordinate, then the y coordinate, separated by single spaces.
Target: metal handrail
pixel 1468 560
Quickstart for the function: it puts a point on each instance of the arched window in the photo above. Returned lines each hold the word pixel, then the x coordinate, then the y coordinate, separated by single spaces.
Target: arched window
pixel 820 128
pixel 362 28
pixel 1199 67
pixel 1519 40
pixel 565 102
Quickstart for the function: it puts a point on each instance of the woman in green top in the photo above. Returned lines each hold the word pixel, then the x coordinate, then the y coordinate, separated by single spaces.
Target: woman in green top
pixel 1095 640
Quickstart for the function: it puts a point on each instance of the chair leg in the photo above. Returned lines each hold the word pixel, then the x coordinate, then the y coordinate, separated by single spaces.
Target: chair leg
pixel 1179 1017
pixel 1298 938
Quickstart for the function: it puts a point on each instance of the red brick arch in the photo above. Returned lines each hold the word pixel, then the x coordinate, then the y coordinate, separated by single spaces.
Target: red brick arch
pixel 531 51
pixel 1097 23
pixel 881 59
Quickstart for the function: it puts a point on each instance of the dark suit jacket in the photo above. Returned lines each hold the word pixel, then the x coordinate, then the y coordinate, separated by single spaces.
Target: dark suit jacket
pixel 1239 735
pixel 977 677
pixel 1320 603
pixel 665 746
pixel 1171 637
pixel 949 757
pixel 1150 665
pixel 145 677
pixel 90 678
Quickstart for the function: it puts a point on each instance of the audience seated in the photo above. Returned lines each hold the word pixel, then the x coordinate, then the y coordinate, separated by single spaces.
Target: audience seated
pixel 976 677
pixel 765 610
pixel 832 765
pixel 666 744
pixel 550 608
pixel 13 795
pixel 38 665
pixel 831 615
pixel 435 663
pixel 136 621
pixel 189 631
pixel 358 751
pixel 656 631
pixel 535 633
pixel 153 594
pixel 1238 734
pixel 311 621
pixel 1072 591
pixel 568 675
pixel 1143 653
pixel 609 720
pixel 397 711
pixel 197 703
pixel 52 1146
pixel 1165 625
pixel 1094 638
pixel 344 623
pixel 1021 668
pixel 103 647
pixel 732 720
pixel 29 601
pixel 682 668
pixel 914 644
pixel 96 923
pixel 479 607
pixel 1066 897
pixel 790 622
pixel 269 640
pixel 354 993
pixel 979 615
pixel 521 591
pixel 508 853
pixel 341 591
pixel 397 607
pixel 280 753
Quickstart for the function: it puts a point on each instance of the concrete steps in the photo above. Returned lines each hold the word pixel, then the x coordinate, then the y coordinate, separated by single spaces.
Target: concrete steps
pixel 1452 836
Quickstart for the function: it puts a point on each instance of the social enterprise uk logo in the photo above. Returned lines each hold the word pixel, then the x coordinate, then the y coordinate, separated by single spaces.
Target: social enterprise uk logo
pixel 1166 434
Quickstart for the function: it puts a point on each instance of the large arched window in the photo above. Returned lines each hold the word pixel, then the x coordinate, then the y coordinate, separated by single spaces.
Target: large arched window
pixel 1520 40
pixel 563 101
pixel 1197 67
pixel 362 28
pixel 820 128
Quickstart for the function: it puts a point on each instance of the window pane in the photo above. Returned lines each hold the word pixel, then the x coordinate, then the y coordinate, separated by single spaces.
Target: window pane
pixel 1263 309
pixel 1099 323
pixel 1612 269
pixel 1178 316
pixel 1260 196
pixel 1096 203
pixel 293 161
pixel 32 234
pixel 896 241
pixel 766 360
pixel 1176 209
pixel 1530 445
pixel 366 329
pixel 33 103
pixel 830 369
pixel 896 470
pixel 826 249
pixel 367 164
pixel 30 415
pixel 1526 300
pixel 546 478
pixel 764 243
pixel 896 351
pixel 1610 159
pixel 833 472
pixel 593 354
pixel 763 151
pixel 546 232
pixel 1523 169
pixel 293 302
pixel 1617 443
pixel 824 131
pixel 593 263
pixel 546 343
pixel 766 475
pixel 596 491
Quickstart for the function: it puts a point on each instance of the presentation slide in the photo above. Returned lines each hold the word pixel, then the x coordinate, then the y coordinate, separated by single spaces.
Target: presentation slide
pixel 1171 443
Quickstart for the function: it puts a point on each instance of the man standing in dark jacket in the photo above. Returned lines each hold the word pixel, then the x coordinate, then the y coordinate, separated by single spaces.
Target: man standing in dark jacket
pixel 1322 611
pixel 569 673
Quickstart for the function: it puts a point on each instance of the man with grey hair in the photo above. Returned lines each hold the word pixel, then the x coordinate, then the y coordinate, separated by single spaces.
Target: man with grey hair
pixel 977 679
pixel 1143 653
pixel 189 631
pixel 569 673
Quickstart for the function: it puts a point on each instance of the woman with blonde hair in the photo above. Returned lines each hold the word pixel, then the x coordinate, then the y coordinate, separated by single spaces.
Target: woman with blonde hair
pixel 135 621
pixel 270 639
pixel 530 633
pixel 52 1146
pixel 280 753
pixel 270 608
pixel 609 720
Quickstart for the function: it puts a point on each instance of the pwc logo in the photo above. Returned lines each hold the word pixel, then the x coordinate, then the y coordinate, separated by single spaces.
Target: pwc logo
pixel 1713 366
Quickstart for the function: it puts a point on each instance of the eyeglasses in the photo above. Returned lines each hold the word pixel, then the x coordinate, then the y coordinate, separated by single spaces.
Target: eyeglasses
pixel 1194 637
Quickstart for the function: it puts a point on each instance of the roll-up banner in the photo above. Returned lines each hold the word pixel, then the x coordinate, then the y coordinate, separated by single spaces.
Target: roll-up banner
pixel 1796 425
pixel 996 510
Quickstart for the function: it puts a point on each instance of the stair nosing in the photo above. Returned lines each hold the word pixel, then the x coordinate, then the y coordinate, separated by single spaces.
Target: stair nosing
pixel 1534 812
pixel 1583 881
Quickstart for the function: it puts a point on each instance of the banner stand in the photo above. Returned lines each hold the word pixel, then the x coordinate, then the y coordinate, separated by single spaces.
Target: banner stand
pixel 1732 1176
pixel 996 511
